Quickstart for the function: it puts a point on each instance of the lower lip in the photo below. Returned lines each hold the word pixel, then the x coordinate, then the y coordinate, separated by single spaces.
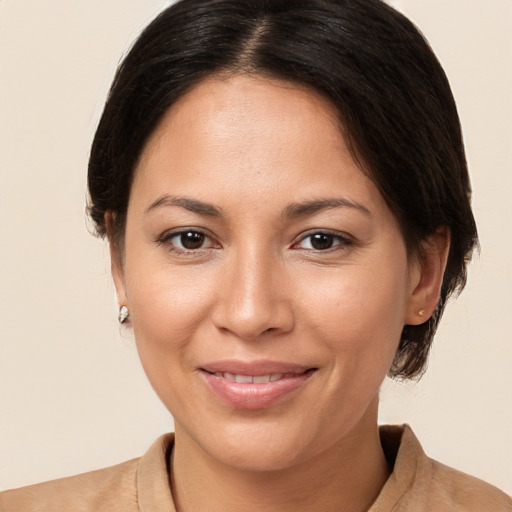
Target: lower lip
pixel 253 395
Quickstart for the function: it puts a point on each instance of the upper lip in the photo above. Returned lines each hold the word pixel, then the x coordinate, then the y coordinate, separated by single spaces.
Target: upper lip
pixel 255 368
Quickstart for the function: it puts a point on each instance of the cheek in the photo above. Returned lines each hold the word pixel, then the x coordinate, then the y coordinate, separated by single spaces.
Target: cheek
pixel 168 305
pixel 360 311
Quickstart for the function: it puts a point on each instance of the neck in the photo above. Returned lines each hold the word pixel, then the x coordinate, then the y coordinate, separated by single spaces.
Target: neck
pixel 345 478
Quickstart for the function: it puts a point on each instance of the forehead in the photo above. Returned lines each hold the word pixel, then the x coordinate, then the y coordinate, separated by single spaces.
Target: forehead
pixel 224 109
pixel 239 96
pixel 247 137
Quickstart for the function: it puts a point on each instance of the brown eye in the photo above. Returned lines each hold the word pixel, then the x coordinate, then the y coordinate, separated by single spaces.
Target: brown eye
pixel 322 241
pixel 191 240
pixel 187 241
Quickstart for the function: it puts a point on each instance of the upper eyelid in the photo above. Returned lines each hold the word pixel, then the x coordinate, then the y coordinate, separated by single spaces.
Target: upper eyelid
pixel 169 234
pixel 334 233
pixel 343 240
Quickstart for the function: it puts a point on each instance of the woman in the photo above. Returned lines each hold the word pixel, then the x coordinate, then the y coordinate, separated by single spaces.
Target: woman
pixel 284 190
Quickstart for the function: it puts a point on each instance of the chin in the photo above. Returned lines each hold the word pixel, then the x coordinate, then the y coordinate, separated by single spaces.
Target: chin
pixel 255 458
pixel 253 445
pixel 272 446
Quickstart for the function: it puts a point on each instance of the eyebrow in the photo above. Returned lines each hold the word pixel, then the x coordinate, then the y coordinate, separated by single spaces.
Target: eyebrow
pixel 191 205
pixel 310 207
pixel 291 211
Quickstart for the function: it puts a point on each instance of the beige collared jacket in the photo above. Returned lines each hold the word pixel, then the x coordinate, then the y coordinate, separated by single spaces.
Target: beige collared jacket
pixel 416 484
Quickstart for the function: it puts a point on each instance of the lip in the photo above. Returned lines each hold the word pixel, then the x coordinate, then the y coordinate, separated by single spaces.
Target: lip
pixel 254 395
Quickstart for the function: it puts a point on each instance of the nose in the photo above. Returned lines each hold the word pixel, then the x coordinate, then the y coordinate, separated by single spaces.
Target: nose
pixel 255 298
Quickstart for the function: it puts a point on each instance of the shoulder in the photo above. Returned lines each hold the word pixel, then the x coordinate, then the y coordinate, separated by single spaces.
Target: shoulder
pixel 445 488
pixel 108 489
pixel 421 484
pixel 136 485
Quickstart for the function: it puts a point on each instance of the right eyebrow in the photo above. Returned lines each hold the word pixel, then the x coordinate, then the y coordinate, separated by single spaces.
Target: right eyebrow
pixel 192 205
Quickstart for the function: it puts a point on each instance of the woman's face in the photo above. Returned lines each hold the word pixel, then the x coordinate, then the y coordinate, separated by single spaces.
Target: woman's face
pixel 267 280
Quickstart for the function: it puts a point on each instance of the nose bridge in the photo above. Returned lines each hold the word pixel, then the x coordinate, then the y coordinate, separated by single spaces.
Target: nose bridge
pixel 253 300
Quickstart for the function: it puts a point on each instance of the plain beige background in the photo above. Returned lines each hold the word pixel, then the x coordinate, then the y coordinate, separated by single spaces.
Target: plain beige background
pixel 72 394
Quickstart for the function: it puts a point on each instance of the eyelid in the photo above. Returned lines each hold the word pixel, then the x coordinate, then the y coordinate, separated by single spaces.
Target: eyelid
pixel 345 239
pixel 166 237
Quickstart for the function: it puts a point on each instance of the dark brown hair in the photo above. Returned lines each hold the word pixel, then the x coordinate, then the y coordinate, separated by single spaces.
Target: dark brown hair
pixel 376 69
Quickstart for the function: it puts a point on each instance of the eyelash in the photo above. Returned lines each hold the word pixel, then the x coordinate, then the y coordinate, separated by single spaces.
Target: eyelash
pixel 167 237
pixel 339 241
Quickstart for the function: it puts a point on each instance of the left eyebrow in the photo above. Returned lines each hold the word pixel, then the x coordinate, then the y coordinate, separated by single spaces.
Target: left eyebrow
pixel 310 207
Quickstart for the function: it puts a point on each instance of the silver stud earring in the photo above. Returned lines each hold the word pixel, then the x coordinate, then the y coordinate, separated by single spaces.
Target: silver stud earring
pixel 421 312
pixel 124 314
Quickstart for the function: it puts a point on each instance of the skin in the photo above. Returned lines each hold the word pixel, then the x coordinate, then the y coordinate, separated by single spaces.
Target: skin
pixel 256 288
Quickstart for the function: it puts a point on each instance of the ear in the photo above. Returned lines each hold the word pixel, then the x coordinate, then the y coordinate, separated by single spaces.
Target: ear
pixel 116 260
pixel 427 272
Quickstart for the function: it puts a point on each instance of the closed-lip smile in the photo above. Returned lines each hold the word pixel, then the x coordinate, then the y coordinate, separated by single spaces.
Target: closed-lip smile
pixel 254 385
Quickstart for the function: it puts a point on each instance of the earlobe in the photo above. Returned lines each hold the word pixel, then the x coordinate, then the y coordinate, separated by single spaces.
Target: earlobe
pixel 428 277
pixel 116 260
